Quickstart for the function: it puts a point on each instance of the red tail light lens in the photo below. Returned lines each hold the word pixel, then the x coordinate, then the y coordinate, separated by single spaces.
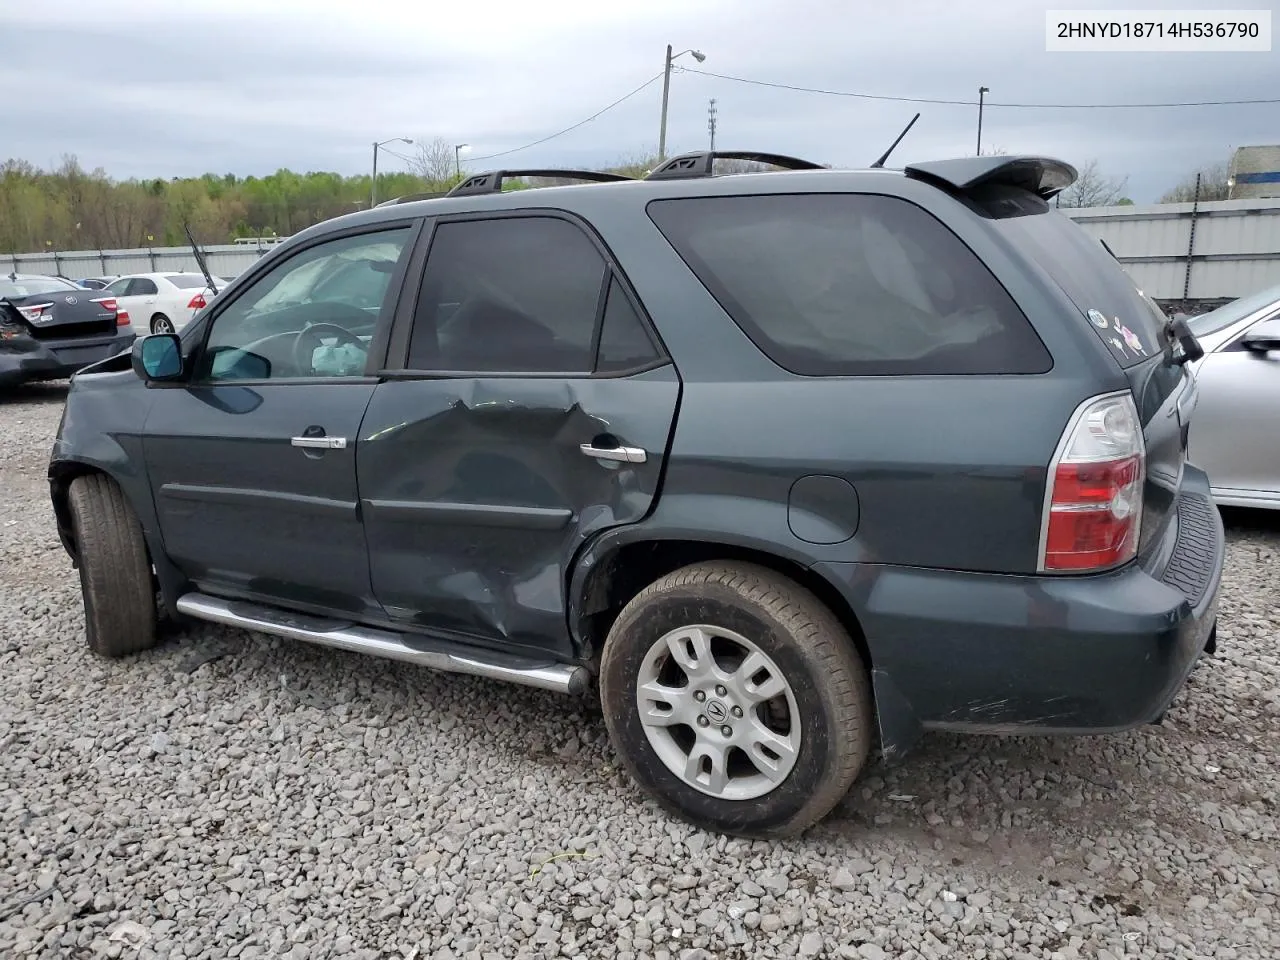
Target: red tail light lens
pixel 122 318
pixel 197 302
pixel 1093 507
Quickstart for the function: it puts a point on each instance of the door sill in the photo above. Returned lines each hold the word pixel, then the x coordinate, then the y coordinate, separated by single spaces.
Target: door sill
pixel 409 648
pixel 1238 497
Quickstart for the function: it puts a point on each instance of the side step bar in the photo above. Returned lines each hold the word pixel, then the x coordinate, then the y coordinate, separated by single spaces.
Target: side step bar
pixel 558 677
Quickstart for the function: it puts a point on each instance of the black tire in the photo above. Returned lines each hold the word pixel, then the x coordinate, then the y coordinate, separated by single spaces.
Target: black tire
pixel 115 571
pixel 161 324
pixel 812 650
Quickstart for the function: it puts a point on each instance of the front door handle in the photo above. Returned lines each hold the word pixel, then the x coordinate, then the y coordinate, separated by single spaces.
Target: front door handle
pixel 320 443
pixel 619 454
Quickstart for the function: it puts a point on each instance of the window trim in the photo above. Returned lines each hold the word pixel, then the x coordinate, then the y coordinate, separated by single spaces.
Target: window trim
pixel 397 358
pixel 286 252
pixel 753 334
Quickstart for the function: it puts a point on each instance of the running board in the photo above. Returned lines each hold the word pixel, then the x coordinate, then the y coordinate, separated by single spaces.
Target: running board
pixel 558 677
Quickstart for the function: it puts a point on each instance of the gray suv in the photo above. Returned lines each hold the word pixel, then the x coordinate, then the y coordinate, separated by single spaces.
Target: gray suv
pixel 788 465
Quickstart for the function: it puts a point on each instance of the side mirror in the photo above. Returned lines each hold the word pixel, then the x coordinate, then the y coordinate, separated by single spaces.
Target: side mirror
pixel 1262 338
pixel 158 357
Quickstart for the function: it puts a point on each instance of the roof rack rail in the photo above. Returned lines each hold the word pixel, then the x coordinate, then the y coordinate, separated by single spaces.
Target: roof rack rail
pixel 410 197
pixel 1043 176
pixel 491 182
pixel 701 163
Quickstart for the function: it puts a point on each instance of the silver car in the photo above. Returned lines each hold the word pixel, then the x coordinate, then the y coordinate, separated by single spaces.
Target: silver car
pixel 1236 433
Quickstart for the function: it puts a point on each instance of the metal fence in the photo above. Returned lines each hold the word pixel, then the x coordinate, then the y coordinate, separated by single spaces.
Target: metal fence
pixel 1186 252
pixel 225 260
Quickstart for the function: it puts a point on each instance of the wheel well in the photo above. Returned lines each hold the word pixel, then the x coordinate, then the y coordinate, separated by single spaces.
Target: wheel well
pixel 626 571
pixel 60 479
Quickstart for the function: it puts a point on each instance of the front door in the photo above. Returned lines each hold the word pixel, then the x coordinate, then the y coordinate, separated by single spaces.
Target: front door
pixel 533 410
pixel 252 461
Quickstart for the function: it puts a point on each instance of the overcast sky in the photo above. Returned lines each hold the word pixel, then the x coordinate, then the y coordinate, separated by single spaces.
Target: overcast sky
pixel 161 88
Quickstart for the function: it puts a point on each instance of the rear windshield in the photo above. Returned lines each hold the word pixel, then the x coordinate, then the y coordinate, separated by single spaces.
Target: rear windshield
pixel 30 286
pixel 1123 317
pixel 186 280
pixel 851 284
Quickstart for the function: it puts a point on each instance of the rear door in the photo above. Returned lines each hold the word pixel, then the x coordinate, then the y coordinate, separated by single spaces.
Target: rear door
pixel 1130 326
pixel 530 407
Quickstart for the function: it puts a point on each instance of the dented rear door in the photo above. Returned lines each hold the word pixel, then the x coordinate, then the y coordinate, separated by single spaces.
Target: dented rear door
pixel 476 493
pixel 481 469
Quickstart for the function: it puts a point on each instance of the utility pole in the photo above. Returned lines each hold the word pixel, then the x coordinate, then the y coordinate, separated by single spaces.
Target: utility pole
pixel 666 92
pixel 711 122
pixel 982 93
pixel 373 190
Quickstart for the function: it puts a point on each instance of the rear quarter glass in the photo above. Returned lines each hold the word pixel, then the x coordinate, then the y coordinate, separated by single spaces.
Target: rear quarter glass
pixel 1127 322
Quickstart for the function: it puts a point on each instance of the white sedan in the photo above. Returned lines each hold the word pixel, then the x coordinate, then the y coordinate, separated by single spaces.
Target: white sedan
pixel 161 302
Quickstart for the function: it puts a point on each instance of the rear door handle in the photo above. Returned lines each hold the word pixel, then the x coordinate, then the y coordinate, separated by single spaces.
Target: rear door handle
pixel 320 443
pixel 619 454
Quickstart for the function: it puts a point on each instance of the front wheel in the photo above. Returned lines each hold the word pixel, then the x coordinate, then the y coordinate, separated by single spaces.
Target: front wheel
pixel 736 698
pixel 115 571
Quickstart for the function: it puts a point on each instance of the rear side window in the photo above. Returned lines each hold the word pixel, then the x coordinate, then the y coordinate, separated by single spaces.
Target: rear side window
pixel 1125 319
pixel 851 284
pixel 508 294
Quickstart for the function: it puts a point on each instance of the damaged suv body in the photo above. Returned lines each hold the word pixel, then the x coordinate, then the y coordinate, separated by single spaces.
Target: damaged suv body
pixel 785 463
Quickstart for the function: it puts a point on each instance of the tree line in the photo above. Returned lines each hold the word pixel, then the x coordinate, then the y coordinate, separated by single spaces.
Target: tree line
pixel 71 208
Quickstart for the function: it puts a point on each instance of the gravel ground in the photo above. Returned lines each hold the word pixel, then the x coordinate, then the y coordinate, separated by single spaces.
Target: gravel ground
pixel 231 795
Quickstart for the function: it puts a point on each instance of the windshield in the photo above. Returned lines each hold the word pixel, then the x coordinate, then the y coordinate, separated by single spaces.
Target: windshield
pixel 1229 313
pixel 30 286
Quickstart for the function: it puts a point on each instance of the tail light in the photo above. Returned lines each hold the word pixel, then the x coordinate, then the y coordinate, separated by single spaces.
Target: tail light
pixel 198 302
pixel 112 305
pixel 1093 503
pixel 35 311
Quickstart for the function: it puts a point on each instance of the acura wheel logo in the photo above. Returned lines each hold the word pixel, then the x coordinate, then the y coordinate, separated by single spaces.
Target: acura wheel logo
pixel 716 712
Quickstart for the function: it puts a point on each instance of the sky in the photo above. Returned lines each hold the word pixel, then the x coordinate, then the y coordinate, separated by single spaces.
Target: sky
pixel 158 88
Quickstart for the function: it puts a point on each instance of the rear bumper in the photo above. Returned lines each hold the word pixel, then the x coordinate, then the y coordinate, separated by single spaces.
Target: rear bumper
pixel 1027 654
pixel 24 359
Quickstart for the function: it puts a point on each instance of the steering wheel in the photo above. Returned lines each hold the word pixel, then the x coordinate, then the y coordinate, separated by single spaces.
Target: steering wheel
pixel 312 334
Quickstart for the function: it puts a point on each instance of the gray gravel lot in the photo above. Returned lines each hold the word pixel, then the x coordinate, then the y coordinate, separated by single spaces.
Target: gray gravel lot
pixel 232 795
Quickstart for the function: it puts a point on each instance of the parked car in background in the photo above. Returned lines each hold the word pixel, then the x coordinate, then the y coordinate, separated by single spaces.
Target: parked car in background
pixel 96 283
pixel 789 464
pixel 161 302
pixel 1236 434
pixel 50 328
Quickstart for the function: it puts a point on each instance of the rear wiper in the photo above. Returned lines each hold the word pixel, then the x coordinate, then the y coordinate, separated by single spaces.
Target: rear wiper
pixel 1178 331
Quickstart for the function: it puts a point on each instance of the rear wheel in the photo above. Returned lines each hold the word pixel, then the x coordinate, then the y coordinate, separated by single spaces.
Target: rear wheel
pixel 735 697
pixel 115 572
pixel 161 324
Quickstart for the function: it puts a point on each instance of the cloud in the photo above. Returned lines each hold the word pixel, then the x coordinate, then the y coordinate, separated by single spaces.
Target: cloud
pixel 149 88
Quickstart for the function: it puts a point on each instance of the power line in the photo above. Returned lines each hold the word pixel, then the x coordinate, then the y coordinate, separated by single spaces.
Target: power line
pixel 602 111
pixel 970 103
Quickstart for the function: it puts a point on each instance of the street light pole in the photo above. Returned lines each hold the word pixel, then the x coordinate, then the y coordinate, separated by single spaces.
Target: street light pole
pixel 982 93
pixel 373 189
pixel 666 92
pixel 457 158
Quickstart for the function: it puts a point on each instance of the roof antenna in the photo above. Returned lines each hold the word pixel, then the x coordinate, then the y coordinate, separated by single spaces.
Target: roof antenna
pixel 885 156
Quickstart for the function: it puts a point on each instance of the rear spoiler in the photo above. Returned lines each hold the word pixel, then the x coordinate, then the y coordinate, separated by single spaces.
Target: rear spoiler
pixel 1043 176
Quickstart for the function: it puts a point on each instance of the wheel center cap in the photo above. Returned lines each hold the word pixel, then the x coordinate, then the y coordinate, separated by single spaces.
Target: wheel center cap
pixel 716 711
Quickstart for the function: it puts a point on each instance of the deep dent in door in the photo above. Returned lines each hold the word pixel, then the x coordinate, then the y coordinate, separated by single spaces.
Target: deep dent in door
pixel 476 495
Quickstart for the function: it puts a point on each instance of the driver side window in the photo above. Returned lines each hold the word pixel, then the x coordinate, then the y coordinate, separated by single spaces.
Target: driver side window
pixel 312 315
